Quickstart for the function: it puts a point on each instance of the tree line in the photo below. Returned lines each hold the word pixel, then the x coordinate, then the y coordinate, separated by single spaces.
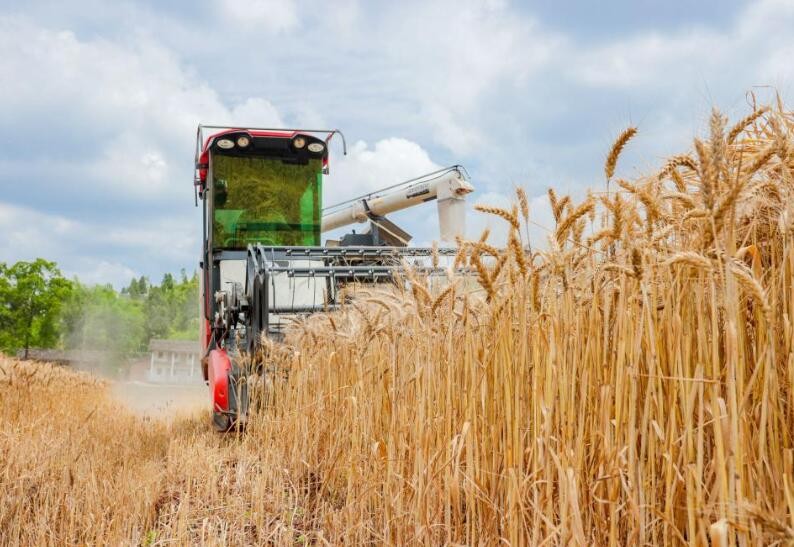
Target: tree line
pixel 40 308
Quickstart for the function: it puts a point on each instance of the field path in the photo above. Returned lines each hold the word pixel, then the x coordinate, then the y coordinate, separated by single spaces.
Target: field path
pixel 161 400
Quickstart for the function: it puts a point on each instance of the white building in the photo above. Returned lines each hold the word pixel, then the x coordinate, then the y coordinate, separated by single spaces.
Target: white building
pixel 176 361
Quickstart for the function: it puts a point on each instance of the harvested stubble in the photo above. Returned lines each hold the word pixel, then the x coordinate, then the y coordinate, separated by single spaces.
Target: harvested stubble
pixel 631 387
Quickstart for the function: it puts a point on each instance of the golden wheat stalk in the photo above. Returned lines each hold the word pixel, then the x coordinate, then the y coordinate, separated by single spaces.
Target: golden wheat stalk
pixel 645 197
pixel 482 247
pixel 682 160
pixel 751 285
pixel 617 147
pixel 742 124
pixel 706 174
pixel 558 205
pixel 484 278
pixel 442 296
pixel 519 255
pixel 614 267
pixel 564 226
pixel 761 159
pixel 682 197
pixel 523 203
pixel 509 216
pixel 689 258
pixel 694 214
pixel 497 269
pixel 598 236
pixel 717 147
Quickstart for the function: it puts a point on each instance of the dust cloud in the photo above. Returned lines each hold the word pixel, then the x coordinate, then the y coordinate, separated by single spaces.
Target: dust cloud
pixel 161 400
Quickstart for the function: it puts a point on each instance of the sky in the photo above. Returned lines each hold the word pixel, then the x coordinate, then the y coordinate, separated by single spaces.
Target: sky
pixel 99 103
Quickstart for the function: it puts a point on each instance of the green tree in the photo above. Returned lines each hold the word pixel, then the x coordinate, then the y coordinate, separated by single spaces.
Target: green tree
pixel 185 325
pixel 137 288
pixel 101 318
pixel 168 282
pixel 171 309
pixel 31 298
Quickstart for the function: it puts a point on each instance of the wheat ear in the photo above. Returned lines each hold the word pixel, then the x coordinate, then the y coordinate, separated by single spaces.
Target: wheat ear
pixel 617 148
pixel 509 216
pixel 742 124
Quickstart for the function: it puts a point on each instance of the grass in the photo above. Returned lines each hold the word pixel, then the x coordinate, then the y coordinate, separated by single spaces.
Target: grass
pixel 631 384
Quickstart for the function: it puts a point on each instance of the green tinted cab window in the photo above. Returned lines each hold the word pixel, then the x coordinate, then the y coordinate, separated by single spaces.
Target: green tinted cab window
pixel 262 200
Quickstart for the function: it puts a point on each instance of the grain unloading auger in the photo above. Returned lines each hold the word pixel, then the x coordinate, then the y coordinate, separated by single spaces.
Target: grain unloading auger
pixel 262 261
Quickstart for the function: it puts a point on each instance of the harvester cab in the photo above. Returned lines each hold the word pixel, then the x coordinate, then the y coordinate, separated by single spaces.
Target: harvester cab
pixel 262 261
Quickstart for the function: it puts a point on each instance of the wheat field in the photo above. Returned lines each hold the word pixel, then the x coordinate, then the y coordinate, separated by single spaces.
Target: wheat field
pixel 632 383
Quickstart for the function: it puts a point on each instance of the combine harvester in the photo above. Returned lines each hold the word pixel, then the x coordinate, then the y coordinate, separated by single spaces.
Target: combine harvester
pixel 262 262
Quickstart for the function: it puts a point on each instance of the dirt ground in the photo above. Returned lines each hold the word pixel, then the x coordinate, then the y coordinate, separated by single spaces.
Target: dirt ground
pixel 161 400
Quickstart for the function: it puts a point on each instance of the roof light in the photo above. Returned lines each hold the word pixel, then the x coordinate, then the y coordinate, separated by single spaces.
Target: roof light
pixel 298 142
pixel 226 144
pixel 243 141
pixel 316 147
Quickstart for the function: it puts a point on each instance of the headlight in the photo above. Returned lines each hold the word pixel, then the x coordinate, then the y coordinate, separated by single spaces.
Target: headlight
pixel 298 142
pixel 226 143
pixel 243 141
pixel 316 147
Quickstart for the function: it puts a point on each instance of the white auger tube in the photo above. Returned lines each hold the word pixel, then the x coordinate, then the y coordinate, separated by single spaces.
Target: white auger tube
pixel 448 188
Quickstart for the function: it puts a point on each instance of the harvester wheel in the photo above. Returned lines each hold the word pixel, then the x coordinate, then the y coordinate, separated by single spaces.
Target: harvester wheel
pixel 228 391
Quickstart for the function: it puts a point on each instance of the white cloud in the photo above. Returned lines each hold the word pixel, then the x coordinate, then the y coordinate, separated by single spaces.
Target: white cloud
pixel 131 114
pixel 271 15
pixel 98 251
pixel 451 55
pixel 28 234
pixel 749 52
pixel 483 81
pixel 255 111
pixel 770 19
pixel 133 111
pixel 91 271
pixel 641 60
pixel 366 169
pixel 140 166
